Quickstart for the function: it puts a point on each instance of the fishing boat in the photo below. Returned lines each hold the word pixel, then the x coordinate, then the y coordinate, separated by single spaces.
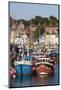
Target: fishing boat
pixel 23 64
pixel 44 65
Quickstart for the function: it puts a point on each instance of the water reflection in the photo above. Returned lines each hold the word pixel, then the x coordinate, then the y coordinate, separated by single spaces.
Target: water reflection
pixel 22 81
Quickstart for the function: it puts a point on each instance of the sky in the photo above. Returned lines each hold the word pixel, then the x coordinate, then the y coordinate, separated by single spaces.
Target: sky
pixel 27 11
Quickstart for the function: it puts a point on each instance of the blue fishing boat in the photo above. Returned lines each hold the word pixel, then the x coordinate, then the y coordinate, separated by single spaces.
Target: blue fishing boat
pixel 23 66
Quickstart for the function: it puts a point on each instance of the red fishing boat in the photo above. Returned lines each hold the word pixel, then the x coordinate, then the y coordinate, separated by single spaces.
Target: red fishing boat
pixel 44 65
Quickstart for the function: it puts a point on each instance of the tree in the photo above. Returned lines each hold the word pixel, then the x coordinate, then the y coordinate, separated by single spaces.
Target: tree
pixel 38 19
pixel 45 21
pixel 39 30
pixel 26 23
pixel 53 20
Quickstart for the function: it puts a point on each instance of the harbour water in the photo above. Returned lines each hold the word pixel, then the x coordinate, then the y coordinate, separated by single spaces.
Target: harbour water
pixel 26 81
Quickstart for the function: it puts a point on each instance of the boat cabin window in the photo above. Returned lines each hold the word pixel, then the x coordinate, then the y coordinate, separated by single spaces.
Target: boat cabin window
pixel 37 54
pixel 46 60
pixel 43 60
pixel 29 59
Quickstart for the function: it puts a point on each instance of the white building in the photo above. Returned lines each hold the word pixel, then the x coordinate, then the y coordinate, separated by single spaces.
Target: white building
pixel 22 40
pixel 42 39
pixel 51 40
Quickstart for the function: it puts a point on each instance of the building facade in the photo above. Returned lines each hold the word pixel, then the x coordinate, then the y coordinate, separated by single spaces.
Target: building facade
pixel 51 36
